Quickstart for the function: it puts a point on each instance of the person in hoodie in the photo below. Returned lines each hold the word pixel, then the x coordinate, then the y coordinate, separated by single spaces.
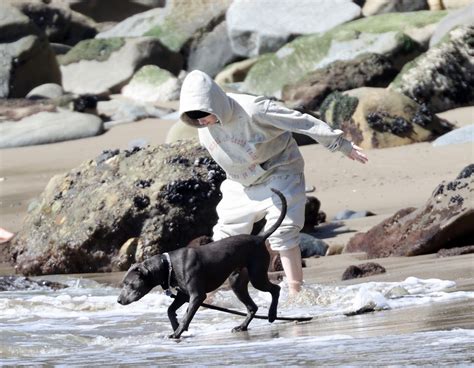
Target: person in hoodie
pixel 251 139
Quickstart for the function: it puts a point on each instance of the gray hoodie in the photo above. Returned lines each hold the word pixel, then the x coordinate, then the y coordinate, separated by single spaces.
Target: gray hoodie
pixel 253 139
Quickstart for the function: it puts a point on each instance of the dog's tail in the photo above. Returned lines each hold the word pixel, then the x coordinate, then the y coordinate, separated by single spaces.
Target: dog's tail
pixel 282 214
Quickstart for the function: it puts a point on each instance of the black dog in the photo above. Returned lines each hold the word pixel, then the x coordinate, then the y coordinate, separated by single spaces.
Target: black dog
pixel 197 271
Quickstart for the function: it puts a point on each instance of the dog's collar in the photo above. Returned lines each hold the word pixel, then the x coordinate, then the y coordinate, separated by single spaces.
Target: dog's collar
pixel 167 259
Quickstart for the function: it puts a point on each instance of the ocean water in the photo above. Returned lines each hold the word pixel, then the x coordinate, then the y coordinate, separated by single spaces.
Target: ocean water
pixel 83 325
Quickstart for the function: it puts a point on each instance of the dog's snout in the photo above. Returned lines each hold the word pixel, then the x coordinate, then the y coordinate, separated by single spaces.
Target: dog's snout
pixel 120 300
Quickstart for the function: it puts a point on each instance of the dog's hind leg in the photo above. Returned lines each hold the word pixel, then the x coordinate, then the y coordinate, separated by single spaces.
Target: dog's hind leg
pixel 239 283
pixel 179 300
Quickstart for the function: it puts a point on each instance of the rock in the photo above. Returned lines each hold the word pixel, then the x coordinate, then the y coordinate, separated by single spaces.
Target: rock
pixel 443 77
pixel 165 196
pixel 373 7
pixel 311 246
pixel 175 25
pixel 113 10
pixel 257 27
pixel 181 131
pixel 27 59
pixel 372 70
pixel 460 17
pixel 152 84
pixel 58 22
pixel 312 214
pixel 349 214
pixel 380 34
pixel 120 110
pixel 212 52
pixel 457 136
pixel 49 127
pixel 15 283
pixel 444 222
pixel 458 251
pixel 15 109
pixel 235 72
pixel 363 270
pixel 86 68
pixel 378 118
pixel 126 255
pixel 48 90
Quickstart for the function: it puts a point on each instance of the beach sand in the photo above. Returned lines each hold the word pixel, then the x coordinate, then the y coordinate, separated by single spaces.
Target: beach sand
pixel 394 178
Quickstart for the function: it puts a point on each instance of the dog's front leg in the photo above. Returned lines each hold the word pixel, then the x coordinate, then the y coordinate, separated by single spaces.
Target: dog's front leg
pixel 195 302
pixel 177 303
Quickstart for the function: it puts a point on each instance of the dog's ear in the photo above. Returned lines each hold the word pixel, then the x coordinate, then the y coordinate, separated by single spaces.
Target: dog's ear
pixel 143 270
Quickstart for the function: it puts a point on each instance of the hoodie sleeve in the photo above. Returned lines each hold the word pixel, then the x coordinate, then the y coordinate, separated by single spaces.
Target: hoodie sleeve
pixel 271 113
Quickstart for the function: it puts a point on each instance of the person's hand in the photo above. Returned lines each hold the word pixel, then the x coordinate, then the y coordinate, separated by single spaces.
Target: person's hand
pixel 357 155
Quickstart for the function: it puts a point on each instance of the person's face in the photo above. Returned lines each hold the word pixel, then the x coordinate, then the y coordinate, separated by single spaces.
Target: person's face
pixel 210 119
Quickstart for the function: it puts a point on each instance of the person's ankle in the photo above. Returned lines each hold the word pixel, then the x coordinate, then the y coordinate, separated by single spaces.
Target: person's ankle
pixel 294 287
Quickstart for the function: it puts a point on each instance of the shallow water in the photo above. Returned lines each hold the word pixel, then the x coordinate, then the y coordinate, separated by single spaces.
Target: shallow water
pixel 416 322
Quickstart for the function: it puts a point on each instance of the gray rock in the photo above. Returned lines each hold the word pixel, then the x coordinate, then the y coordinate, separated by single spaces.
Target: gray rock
pixel 175 25
pixel 460 17
pixel 49 127
pixel 48 90
pixel 311 246
pixel 15 283
pixel 86 69
pixel 457 136
pixel 27 59
pixel 363 270
pixel 211 53
pixel 165 196
pixel 122 110
pixel 257 27
pixel 373 7
pixel 443 77
pixel 349 214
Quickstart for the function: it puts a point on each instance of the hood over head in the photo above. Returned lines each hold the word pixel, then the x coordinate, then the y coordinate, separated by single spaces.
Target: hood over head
pixel 200 93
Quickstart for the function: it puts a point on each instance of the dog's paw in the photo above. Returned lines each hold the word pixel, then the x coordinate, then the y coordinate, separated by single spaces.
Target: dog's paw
pixel 239 329
pixel 272 317
pixel 173 336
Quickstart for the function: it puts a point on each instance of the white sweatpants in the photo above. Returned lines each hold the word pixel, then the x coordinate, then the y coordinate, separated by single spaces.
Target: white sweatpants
pixel 242 206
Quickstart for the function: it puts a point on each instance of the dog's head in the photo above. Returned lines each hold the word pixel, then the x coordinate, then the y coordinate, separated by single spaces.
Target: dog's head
pixel 136 283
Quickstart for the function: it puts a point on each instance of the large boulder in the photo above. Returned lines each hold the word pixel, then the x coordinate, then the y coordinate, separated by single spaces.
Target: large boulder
pixel 379 118
pixel 257 27
pixel 211 52
pixel 101 66
pixel 384 34
pixel 27 59
pixel 59 23
pixel 175 25
pixel 445 221
pixel 443 77
pixel 49 127
pixel 130 204
pixel 152 84
pixel 372 70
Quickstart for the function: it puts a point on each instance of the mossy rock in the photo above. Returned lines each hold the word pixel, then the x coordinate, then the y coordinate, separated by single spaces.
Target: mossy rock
pixel 381 34
pixel 98 49
pixel 443 77
pixel 380 118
